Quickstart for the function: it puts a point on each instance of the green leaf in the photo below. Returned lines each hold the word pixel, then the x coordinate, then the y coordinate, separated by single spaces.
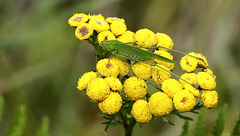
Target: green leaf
pixel 219 126
pixel 198 106
pixel 17 126
pixel 236 130
pixel 185 128
pixel 111 124
pixel 165 119
pixel 112 121
pixel 183 117
pixel 93 101
pixel 105 116
pixel 43 130
pixel 200 124
pixel 1 106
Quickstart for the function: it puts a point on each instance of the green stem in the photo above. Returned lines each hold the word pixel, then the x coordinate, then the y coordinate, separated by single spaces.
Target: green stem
pixel 129 126
pixel 126 116
pixel 99 51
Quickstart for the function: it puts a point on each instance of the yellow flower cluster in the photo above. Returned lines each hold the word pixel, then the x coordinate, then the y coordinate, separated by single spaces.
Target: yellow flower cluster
pixel 104 85
pixel 114 28
pixel 110 28
pixel 111 80
pixel 205 79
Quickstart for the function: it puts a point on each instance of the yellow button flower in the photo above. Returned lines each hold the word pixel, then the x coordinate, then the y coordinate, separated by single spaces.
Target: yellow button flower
pixel 77 19
pixel 209 98
pixel 99 16
pixel 135 88
pixel 85 79
pixel 114 83
pixel 124 66
pixel 145 38
pixel 192 90
pixel 107 68
pixel 166 55
pixel 127 37
pixel 208 70
pixel 98 89
pixel 105 36
pixel 171 87
pixel 206 81
pixel 142 70
pixel 99 24
pixel 202 63
pixel 141 111
pixel 160 104
pixel 190 77
pixel 164 41
pixel 83 31
pixel 111 19
pixel 188 63
pixel 184 101
pixel 159 75
pixel 118 27
pixel 112 104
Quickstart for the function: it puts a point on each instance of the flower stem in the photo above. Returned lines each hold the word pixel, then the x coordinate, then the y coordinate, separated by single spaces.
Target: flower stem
pixel 129 126
pixel 127 119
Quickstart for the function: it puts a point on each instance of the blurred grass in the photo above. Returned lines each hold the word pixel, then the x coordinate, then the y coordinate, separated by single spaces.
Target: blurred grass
pixel 41 60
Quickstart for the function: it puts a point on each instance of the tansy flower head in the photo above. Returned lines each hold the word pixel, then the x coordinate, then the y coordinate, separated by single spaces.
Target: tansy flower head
pixel 99 24
pixel 124 67
pixel 111 19
pixel 85 79
pixel 99 16
pixel 188 63
pixel 83 31
pixel 145 38
pixel 107 68
pixel 192 90
pixel 112 104
pixel 135 88
pixel 184 101
pixel 142 70
pixel 98 89
pixel 127 37
pixel 114 83
pixel 202 63
pixel 208 70
pixel 209 98
pixel 159 75
pixel 77 19
pixel 105 36
pixel 141 111
pixel 206 81
pixel 160 104
pixel 166 55
pixel 118 27
pixel 190 77
pixel 164 41
pixel 171 87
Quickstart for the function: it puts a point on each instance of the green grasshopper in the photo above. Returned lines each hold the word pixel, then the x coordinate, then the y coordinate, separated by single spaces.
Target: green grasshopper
pixel 128 52
pixel 132 53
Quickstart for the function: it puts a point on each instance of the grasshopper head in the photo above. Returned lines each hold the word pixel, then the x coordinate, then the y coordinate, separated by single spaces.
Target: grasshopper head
pixel 108 45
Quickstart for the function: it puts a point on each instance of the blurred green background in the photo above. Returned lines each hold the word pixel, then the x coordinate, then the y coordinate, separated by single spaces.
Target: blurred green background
pixel 41 60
